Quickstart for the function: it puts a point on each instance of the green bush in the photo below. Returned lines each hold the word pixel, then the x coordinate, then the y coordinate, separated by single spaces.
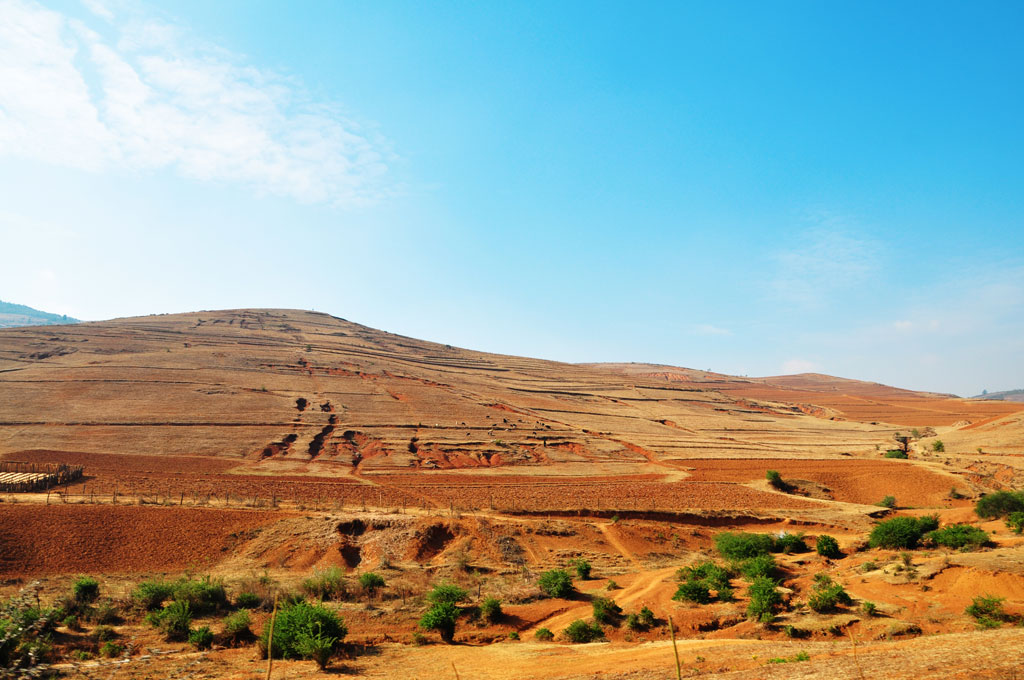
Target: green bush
pixel 544 635
pixel 987 611
pixel 633 622
pixel 326 585
pixel 104 612
pixel 887 502
pixel 201 638
pixel 582 568
pixel 789 543
pixel 152 594
pixel 775 479
pixel 111 649
pixel 693 591
pixel 1015 522
pixel 447 593
pixel 441 617
pixel 490 609
pixel 296 625
pixel 707 572
pixel 248 600
pixel 741 545
pixel 764 600
pixel 174 620
pixel 236 626
pixel 103 633
pixel 958 536
pixel 999 504
pixel 646 617
pixel 826 594
pixel 902 532
pixel 203 595
pixel 605 610
pixel 580 631
pixel 316 645
pixel 555 583
pixel 938 446
pixel 757 567
pixel 869 608
pixel 828 547
pixel 514 635
pixel 86 589
pixel 371 582
pixel 896 453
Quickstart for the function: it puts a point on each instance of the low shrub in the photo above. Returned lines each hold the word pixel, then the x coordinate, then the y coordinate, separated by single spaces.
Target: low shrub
pixel 775 479
pixel 999 504
pixel 248 600
pixel 789 543
pixel 111 649
pixel 765 598
pixel 938 446
pixel 896 453
pixel 371 582
pixel 605 610
pixel 693 591
pixel 544 635
pixel 447 593
pixel 103 633
pixel 1015 522
pixel 86 589
pixel 201 638
pixel 958 536
pixel 633 622
pixel 826 594
pixel 174 620
pixel 646 616
pixel 152 594
pixel 887 502
pixel 104 612
pixel 514 635
pixel 828 547
pixel 202 595
pixel 555 583
pixel 712 575
pixel 490 609
pixel 742 545
pixel 326 585
pixel 441 617
pixel 757 567
pixel 902 532
pixel 236 626
pixel 582 568
pixel 987 610
pixel 868 608
pixel 303 630
pixel 580 632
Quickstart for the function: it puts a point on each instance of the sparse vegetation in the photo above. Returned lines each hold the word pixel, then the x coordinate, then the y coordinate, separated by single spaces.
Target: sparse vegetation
pixel 826 594
pixel 326 585
pixel 580 632
pixel 236 626
pixel 958 536
pixel 999 504
pixel 987 611
pixel 303 631
pixel 605 610
pixel 1015 522
pixel 938 446
pixel 799 656
pixel 868 608
pixel 826 546
pixel 896 453
pixel 742 546
pixel 902 532
pixel 765 599
pixel 544 635
pixel 582 568
pixel 555 583
pixel 646 617
pixel 371 582
pixel 887 502
pixel 174 620
pixel 441 617
pixel 86 589
pixel 776 481
pixel 201 638
pixel 490 610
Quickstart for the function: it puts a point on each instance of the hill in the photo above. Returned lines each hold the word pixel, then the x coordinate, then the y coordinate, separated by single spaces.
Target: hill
pixel 1005 395
pixel 13 315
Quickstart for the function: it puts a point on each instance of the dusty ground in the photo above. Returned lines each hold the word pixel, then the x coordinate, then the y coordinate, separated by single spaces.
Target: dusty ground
pixel 279 442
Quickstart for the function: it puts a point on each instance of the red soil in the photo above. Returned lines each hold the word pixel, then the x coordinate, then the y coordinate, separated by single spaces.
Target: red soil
pixel 68 539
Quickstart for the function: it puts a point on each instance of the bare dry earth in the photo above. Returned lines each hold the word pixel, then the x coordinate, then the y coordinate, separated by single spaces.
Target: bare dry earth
pixel 515 465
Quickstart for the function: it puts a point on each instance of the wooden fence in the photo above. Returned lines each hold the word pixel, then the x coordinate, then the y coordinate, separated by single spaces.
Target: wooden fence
pixel 17 477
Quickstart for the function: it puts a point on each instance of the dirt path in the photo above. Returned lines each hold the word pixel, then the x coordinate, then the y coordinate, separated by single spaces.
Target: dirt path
pixel 617 544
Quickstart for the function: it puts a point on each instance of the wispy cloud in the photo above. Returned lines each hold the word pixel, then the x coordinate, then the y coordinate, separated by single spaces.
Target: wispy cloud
pixel 825 260
pixel 139 93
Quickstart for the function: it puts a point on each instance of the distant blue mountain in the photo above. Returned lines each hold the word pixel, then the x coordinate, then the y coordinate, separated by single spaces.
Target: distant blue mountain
pixel 12 315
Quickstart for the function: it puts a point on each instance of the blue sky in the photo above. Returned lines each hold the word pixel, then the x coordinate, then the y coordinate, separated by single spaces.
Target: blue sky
pixel 754 188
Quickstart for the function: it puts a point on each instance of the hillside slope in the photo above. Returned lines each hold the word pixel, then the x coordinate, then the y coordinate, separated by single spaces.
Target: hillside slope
pixel 13 315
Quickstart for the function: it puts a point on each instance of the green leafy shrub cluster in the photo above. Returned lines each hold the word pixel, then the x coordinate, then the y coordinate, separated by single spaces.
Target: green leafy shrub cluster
pixel 86 589
pixel 757 567
pixel 236 626
pixel 326 585
pixel 174 620
pixel 887 502
pixel 1015 522
pixel 248 600
pixel 582 568
pixel 827 546
pixel 742 545
pixel 490 609
pixel 826 594
pixel 789 543
pixel 698 580
pixel 896 453
pixel 987 611
pixel 938 446
pixel 201 638
pixel 765 599
pixel 775 479
pixel 958 536
pixel 605 610
pixel 303 631
pixel 799 656
pixel 556 583
pixel 999 504
pixel 580 631
pixel 202 595
pixel 371 582
pixel 544 635
pixel 902 532
pixel 443 614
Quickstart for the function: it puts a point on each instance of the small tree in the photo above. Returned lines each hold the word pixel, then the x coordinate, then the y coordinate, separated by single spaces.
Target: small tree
pixel 888 502
pixel 555 583
pixel 441 617
pixel 775 479
pixel 764 600
pixel 999 504
pixel 605 610
pixel 490 609
pixel 902 532
pixel 828 547
pixel 580 631
pixel 447 593
pixel 86 589
pixel 371 582
pixel 544 635
pixel 1015 522
pixel 938 446
pixel 582 568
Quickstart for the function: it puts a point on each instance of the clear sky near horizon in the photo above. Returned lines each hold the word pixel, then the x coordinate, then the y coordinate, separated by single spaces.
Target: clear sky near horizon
pixel 752 188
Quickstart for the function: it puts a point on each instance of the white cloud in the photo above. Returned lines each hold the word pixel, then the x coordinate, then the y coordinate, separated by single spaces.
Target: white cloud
pixel 798 366
pixel 826 260
pixel 154 98
pixel 708 329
